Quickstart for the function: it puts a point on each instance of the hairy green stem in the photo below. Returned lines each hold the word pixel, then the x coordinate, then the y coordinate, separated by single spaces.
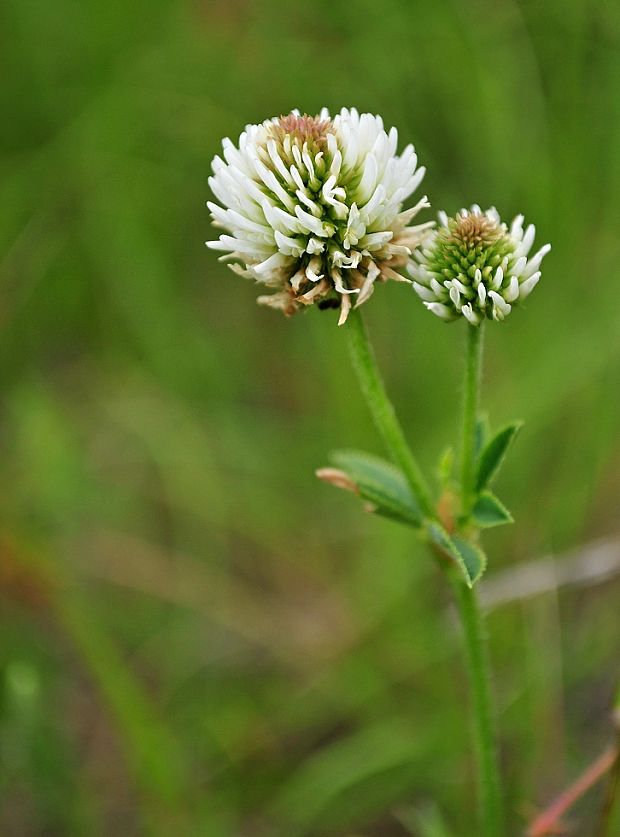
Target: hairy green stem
pixel 483 721
pixel 473 371
pixel 382 411
pixel 476 652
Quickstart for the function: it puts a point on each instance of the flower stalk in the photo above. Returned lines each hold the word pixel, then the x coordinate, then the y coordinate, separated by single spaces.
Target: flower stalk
pixel 382 410
pixel 471 616
pixel 483 719
pixel 473 373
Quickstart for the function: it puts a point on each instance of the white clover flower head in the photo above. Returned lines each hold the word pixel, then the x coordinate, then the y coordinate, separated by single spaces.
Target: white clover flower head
pixel 473 266
pixel 312 208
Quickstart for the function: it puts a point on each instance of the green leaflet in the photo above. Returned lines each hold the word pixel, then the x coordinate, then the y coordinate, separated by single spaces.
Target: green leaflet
pixel 376 481
pixel 362 773
pixel 469 558
pixel 493 454
pixel 473 558
pixel 483 431
pixel 489 511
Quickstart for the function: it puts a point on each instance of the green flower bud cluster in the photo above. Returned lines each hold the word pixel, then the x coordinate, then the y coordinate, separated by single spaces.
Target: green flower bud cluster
pixel 473 266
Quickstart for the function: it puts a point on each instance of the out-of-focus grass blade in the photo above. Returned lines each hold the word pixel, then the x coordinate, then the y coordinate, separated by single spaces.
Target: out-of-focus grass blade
pixel 351 779
pixel 155 755
pixel 424 822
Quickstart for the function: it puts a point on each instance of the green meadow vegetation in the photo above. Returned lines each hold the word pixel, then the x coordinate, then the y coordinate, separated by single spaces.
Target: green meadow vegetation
pixel 197 637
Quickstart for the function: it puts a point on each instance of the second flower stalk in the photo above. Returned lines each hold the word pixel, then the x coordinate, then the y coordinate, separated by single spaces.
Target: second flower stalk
pixel 471 617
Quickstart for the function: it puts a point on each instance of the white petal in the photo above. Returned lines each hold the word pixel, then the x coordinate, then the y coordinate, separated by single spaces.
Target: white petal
pixel 528 239
pixel 437 287
pixel 345 307
pixel 528 286
pixel 289 246
pixel 310 223
pixel 499 304
pixel 369 180
pixel 439 310
pixel 516 228
pixel 311 270
pixel 470 314
pixel 534 263
pixel 512 291
pixel 424 293
pixel 277 161
pixel 270 264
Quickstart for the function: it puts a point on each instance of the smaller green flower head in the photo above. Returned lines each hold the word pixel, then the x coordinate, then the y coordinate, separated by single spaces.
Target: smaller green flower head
pixel 473 266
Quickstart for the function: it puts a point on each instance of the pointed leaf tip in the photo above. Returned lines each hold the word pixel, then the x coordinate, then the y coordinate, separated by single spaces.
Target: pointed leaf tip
pixel 381 485
pixel 494 452
pixel 468 557
pixel 489 511
pixel 474 559
pixel 337 478
pixel 482 433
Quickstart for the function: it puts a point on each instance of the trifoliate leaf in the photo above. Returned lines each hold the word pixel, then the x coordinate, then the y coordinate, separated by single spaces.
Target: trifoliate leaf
pixel 469 558
pixel 488 511
pixel 493 454
pixel 377 482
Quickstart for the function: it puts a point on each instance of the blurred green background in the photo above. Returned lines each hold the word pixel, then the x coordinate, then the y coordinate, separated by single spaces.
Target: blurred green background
pixel 198 638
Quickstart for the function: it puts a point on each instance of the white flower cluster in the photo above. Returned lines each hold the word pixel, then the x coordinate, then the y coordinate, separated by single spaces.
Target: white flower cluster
pixel 311 207
pixel 473 266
